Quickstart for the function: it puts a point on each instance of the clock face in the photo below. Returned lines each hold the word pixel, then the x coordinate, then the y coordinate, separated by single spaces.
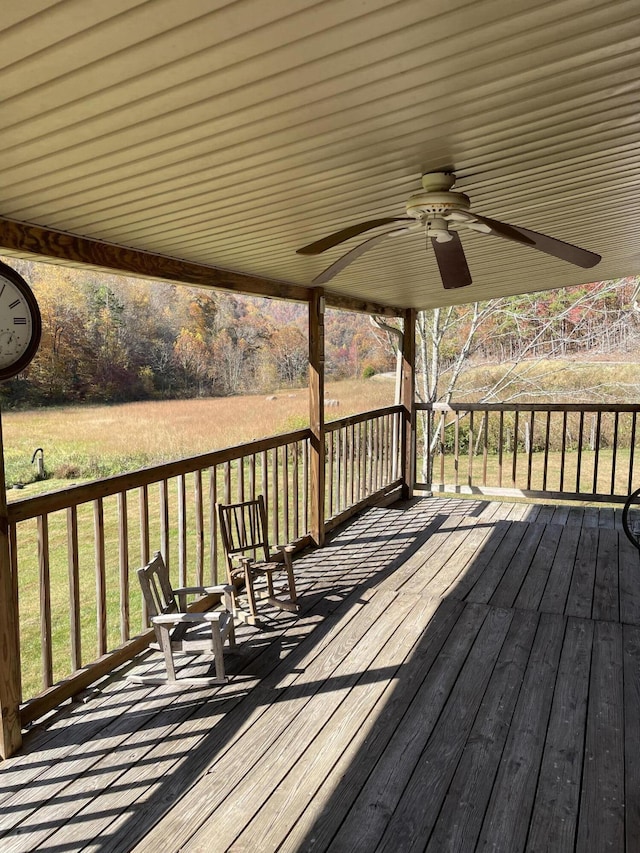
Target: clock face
pixel 20 324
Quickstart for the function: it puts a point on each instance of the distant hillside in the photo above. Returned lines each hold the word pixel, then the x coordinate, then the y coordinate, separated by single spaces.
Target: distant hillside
pixel 110 338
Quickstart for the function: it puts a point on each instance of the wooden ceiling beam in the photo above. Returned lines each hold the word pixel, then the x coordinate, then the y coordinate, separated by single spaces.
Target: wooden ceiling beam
pixel 47 244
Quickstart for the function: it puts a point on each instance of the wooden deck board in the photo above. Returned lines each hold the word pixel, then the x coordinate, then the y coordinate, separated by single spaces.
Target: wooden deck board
pixel 464 675
pixel 460 818
pixel 554 818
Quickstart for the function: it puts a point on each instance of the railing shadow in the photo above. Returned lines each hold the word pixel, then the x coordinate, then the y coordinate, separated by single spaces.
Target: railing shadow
pixel 146 749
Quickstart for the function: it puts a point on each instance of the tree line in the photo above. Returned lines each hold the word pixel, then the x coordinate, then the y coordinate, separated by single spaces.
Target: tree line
pixel 110 338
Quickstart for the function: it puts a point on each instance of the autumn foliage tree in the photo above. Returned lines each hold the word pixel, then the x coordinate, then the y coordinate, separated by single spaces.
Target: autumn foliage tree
pixel 113 338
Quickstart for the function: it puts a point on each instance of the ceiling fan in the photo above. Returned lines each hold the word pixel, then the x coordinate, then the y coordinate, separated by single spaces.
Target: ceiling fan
pixel 435 211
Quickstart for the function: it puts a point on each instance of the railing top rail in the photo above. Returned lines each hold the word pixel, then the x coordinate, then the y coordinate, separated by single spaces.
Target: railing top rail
pixel 332 426
pixel 26 508
pixel 528 407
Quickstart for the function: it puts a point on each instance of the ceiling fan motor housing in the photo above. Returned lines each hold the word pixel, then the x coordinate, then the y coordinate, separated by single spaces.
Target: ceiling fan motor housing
pixel 427 205
pixel 436 199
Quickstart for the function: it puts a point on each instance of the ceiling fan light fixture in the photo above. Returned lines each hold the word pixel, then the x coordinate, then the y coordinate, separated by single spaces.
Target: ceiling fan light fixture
pixel 438 228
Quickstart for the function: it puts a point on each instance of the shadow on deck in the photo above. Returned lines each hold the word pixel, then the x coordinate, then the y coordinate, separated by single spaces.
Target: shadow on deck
pixel 464 675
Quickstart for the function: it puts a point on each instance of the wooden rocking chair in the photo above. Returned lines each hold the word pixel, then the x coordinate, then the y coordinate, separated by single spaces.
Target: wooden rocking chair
pixel 171 622
pixel 248 556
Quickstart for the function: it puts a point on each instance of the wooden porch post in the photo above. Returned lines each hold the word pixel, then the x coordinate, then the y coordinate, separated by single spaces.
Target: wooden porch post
pixel 9 653
pixel 407 397
pixel 316 413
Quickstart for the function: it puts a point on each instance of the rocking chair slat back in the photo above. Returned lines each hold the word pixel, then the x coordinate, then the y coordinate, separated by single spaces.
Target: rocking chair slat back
pixel 156 587
pixel 244 529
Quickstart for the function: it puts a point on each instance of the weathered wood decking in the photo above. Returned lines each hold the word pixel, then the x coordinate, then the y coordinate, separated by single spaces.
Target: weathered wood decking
pixel 464 676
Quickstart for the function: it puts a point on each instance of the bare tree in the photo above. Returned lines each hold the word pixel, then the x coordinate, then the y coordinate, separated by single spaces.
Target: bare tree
pixel 447 338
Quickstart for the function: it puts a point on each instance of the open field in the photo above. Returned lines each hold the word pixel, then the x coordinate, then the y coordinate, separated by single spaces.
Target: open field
pixel 570 380
pixel 88 442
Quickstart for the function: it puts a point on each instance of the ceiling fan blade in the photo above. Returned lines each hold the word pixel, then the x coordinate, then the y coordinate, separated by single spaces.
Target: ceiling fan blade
pixel 346 233
pixel 549 245
pixel 347 258
pixel 452 262
pixel 492 226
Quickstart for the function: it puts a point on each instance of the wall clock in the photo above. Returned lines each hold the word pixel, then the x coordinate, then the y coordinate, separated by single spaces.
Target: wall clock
pixel 20 323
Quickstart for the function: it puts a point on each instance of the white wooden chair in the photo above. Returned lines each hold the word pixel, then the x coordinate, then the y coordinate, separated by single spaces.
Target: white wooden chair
pixel 248 556
pixel 167 611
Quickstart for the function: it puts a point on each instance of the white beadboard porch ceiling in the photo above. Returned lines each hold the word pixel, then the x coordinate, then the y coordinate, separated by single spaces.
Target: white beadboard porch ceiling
pixel 232 133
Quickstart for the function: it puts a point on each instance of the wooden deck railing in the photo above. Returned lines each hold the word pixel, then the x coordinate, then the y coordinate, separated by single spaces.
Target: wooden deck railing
pixel 74 552
pixel 362 459
pixel 579 451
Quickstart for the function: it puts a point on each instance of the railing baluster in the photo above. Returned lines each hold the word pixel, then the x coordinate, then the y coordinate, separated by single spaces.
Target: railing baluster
pixel 388 421
pixel 101 576
pixel 144 542
pixel 123 565
pixel 305 483
pixel 74 587
pixel 514 465
pixel 579 459
pixel 614 454
pixel 352 451
pixel 252 476
pixel 285 491
pixel 295 474
pixel 357 462
pixel 164 522
pixel 456 448
pixel 632 450
pixel 395 450
pixel 368 458
pixel 241 478
pixel 276 497
pixel 376 476
pixel 199 514
pixel 227 482
pixel 596 459
pixel 45 601
pixel 182 530
pixel 329 440
pixel 563 451
pixel 213 524
pixel 442 446
pixel 547 435
pixel 265 477
pixel 500 447
pixel 345 467
pixel 339 454
pixel 485 448
pixel 530 448
pixel 471 449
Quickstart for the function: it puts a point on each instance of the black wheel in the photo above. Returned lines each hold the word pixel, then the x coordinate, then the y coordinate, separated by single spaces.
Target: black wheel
pixel 631 518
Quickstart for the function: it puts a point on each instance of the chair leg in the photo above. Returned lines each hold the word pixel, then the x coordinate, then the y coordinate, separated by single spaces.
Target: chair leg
pixel 231 635
pixel 251 597
pixel 218 653
pixel 164 641
pixel 290 578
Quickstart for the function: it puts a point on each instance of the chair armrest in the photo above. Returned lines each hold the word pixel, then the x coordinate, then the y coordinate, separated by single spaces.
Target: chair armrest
pixel 202 590
pixel 177 618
